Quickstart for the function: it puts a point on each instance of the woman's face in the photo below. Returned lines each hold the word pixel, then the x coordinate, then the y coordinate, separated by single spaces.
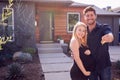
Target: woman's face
pixel 80 32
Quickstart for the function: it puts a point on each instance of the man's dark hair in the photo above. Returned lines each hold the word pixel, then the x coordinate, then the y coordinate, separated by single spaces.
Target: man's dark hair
pixel 89 8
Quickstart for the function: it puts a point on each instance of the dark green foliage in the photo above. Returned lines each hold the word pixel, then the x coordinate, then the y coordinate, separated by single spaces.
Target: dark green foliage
pixel 15 72
pixel 10 47
pixel 118 66
pixel 22 57
pixel 8 50
pixel 30 50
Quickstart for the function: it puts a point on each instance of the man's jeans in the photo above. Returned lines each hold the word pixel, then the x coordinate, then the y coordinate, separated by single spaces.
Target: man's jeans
pixel 101 75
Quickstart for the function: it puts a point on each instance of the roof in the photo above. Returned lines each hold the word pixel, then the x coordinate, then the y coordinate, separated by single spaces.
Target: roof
pixel 116 10
pixel 100 11
pixel 66 1
pixel 48 0
pixel 74 4
pixel 71 3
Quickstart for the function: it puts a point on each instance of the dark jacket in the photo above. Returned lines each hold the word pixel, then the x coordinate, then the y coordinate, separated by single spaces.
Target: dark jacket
pixel 99 52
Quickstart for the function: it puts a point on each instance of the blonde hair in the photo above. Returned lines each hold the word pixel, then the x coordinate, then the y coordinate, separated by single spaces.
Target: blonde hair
pixel 82 41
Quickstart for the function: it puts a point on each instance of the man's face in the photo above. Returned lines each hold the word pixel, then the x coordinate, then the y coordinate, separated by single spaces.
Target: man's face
pixel 90 18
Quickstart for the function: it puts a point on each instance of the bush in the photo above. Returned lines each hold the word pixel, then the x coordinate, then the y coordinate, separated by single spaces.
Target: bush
pixel 118 66
pixel 22 57
pixel 15 72
pixel 30 50
pixel 10 47
pixel 7 52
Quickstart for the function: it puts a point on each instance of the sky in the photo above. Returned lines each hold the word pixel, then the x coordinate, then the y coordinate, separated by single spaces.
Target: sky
pixel 101 3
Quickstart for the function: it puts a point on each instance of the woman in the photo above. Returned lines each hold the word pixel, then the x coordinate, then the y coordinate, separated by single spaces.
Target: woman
pixel 83 63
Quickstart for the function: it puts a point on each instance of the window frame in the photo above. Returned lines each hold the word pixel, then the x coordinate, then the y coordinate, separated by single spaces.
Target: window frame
pixel 68 19
pixel 13 35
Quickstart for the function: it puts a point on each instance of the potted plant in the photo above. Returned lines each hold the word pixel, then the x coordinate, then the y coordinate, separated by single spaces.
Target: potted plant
pixel 60 40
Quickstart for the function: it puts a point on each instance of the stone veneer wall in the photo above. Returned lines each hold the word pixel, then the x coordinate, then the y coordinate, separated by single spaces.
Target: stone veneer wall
pixel 24 17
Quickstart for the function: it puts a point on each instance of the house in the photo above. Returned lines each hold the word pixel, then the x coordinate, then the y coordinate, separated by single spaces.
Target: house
pixel 117 10
pixel 37 21
pixel 111 18
pixel 60 19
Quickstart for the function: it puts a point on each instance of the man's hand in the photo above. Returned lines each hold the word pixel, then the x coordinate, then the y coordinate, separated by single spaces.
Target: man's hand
pixel 71 54
pixel 107 38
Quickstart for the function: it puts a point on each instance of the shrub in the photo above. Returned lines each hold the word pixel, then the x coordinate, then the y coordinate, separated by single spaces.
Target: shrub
pixel 118 66
pixel 7 52
pixel 15 72
pixel 29 50
pixel 22 57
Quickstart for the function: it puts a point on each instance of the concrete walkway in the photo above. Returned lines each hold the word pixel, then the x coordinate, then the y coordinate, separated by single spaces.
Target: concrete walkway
pixel 56 65
pixel 114 53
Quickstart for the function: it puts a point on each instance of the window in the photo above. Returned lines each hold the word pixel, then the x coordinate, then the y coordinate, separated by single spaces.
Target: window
pixel 8 18
pixel 72 19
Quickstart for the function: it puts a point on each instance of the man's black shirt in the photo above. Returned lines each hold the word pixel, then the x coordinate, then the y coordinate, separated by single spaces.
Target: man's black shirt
pixel 99 52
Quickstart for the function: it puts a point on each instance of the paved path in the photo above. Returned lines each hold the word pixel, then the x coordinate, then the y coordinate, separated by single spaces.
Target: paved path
pixel 56 66
pixel 114 53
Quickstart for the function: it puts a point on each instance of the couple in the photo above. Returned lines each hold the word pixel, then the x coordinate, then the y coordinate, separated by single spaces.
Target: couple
pixel 89 46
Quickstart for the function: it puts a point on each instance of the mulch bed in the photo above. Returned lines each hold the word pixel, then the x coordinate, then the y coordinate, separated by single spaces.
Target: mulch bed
pixel 32 71
pixel 115 72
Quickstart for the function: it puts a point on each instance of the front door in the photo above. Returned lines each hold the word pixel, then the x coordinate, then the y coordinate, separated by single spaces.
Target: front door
pixel 46 26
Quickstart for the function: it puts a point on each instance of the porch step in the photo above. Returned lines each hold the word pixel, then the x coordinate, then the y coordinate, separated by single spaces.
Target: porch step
pixel 52 45
pixel 50 48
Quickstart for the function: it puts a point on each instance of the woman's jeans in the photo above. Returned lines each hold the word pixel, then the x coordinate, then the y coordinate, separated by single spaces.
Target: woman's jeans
pixel 104 74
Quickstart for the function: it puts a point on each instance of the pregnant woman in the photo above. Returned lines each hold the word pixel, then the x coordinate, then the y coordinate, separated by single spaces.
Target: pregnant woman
pixel 83 62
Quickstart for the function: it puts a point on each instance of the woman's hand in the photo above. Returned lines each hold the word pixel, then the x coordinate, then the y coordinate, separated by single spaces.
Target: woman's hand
pixel 87 73
pixel 87 52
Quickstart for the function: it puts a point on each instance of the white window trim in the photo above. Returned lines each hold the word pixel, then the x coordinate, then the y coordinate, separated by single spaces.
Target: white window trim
pixel 12 21
pixel 68 19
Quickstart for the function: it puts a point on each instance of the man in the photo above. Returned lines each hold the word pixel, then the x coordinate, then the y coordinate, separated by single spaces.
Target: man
pixel 98 38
